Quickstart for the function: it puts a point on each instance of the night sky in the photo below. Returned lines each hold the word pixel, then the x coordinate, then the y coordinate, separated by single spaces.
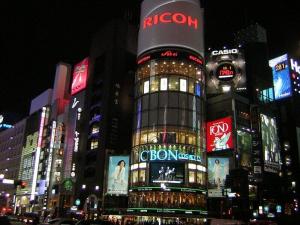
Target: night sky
pixel 36 36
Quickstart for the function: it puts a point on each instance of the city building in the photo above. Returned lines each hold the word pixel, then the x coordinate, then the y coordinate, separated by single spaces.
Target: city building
pixel 168 160
pixel 11 143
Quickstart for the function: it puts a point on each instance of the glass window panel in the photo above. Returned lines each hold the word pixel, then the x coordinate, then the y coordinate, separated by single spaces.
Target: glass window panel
pixel 163 99
pixel 183 117
pixel 191 176
pixel 152 137
pixel 183 85
pixel 142 175
pixel 135 176
pixel 183 100
pixel 146 87
pixel 145 119
pixel 163 84
pixel 145 100
pixel 191 86
pixel 154 82
pixel 162 117
pixel 143 137
pixel 198 90
pixel 172 117
pixel 153 118
pixel 154 101
pixel 182 138
pixel 173 99
pixel 190 116
pixel 173 83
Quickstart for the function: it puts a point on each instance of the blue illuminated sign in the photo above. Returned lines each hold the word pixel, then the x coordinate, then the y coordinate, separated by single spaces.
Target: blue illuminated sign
pixel 7 126
pixel 281 77
pixel 167 155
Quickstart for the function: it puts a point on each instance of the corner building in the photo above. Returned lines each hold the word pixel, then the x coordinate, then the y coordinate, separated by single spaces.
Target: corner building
pixel 168 161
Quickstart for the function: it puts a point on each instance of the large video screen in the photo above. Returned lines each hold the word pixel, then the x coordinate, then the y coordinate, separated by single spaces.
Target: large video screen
pixel 218 169
pixel 244 145
pixel 270 144
pixel 281 77
pixel 117 180
pixel 219 135
pixel 169 172
pixel 226 71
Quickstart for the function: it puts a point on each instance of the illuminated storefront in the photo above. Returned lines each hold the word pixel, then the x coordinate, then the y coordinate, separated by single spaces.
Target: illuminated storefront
pixel 168 162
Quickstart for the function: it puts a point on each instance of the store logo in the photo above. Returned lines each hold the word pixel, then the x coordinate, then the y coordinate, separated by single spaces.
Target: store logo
pixel 218 129
pixel 225 52
pixel 168 17
pixel 167 155
pixel 169 53
pixel 295 66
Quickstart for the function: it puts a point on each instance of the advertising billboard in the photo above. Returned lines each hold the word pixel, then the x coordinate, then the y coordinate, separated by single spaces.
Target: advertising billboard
pixel 171 23
pixel 80 75
pixel 168 172
pixel 244 145
pixel 219 134
pixel 218 169
pixel 117 179
pixel 270 144
pixel 281 77
pixel 226 71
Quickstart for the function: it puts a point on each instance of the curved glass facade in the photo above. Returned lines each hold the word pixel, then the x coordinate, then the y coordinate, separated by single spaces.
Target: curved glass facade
pixel 168 165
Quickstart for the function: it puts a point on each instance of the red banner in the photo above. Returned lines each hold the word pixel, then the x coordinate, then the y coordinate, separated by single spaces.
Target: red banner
pixel 80 74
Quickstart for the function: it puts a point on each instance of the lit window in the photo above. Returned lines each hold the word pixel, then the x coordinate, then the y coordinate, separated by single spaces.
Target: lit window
pixel 191 177
pixel 142 175
pixel 192 166
pixel 183 85
pixel 173 84
pixel 164 84
pixel 95 130
pixel 94 144
pixel 146 87
pixel 153 84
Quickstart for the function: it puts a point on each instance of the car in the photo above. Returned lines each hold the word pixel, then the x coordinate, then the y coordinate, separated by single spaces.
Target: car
pixel 60 221
pixel 93 222
pixel 8 220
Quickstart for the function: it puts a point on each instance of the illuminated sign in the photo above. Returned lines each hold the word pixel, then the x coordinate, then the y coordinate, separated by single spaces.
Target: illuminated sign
pixel 170 54
pixel 225 51
pixel 270 144
pixel 38 152
pixel 80 76
pixel 167 155
pixel 219 134
pixel 50 153
pixel 226 71
pixel 76 141
pixel 1 118
pixel 118 173
pixel 168 17
pixel 295 66
pixel 6 126
pixel 174 23
pixel 75 102
pixel 281 77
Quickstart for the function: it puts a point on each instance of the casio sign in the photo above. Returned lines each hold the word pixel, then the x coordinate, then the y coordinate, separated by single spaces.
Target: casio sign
pixel 225 52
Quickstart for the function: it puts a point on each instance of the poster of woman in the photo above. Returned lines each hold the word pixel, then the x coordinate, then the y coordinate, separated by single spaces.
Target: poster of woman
pixel 218 168
pixel 117 183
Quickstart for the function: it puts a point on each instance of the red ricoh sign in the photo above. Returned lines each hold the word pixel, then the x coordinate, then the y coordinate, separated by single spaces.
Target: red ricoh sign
pixel 169 17
pixel 219 134
pixel 80 76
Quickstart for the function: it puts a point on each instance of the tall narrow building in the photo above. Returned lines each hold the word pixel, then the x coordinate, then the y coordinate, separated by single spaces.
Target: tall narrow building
pixel 168 162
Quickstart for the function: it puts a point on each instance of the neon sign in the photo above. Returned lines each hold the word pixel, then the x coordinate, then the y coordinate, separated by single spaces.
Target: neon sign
pixel 168 17
pixel 167 155
pixel 80 76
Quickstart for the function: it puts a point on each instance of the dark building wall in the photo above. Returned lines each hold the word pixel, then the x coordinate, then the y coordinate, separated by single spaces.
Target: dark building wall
pixel 110 96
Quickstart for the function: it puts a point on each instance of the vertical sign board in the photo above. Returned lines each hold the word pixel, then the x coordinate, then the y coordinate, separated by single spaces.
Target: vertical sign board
pixel 281 77
pixel 219 135
pixel 270 144
pixel 80 75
